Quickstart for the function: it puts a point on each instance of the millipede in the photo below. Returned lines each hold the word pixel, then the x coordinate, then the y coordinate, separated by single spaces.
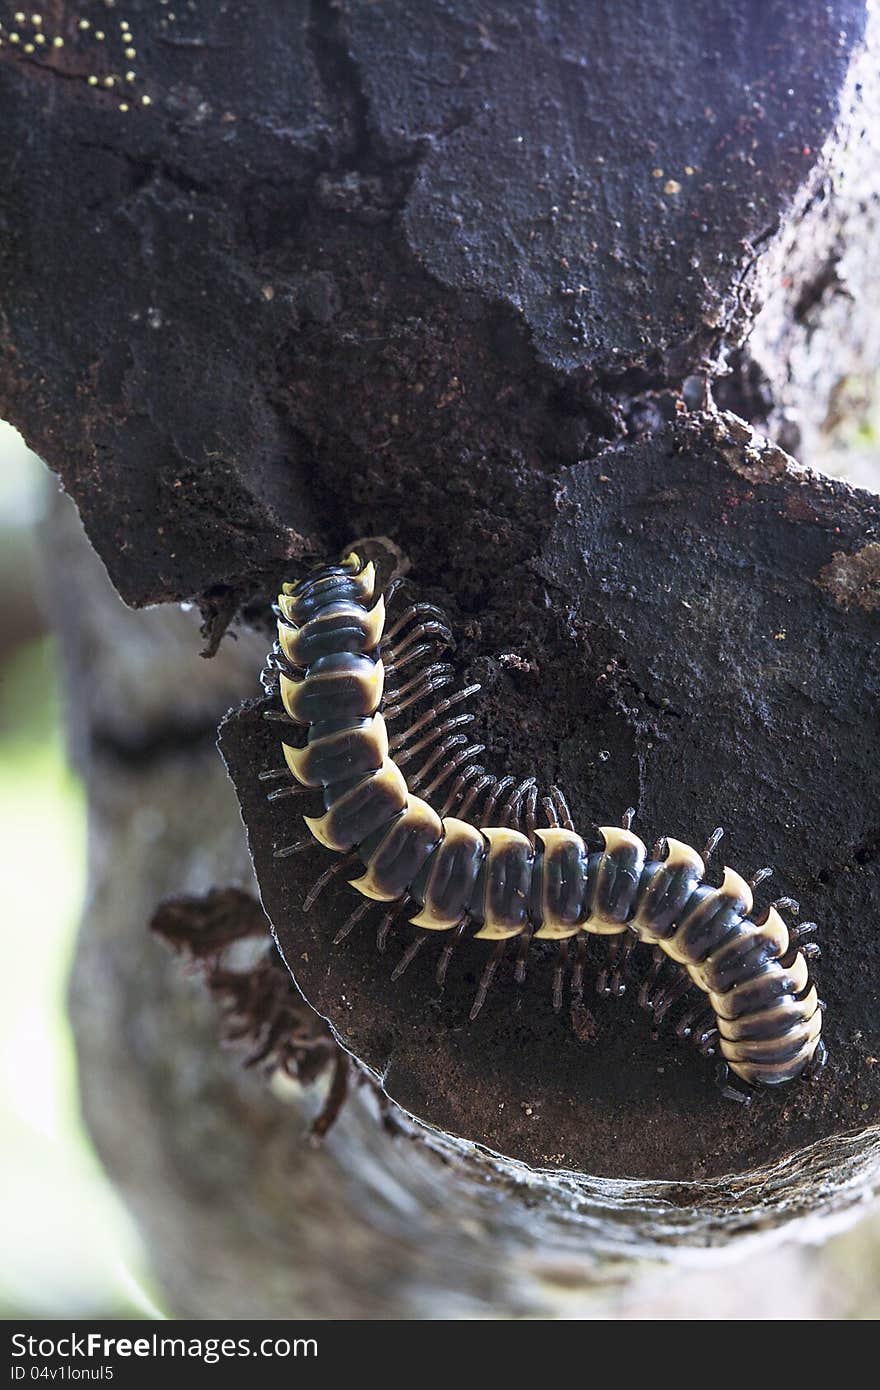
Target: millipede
pixel 462 853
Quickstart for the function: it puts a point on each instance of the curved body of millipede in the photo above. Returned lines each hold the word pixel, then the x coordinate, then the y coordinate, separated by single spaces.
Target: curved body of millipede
pixel 505 877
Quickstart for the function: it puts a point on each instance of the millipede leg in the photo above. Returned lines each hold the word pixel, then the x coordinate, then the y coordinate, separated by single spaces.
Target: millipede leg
pixel 730 1086
pixel 617 984
pixel 509 814
pixel 433 715
pixel 410 658
pixel 522 952
pixel 816 1062
pixel 436 632
pixel 562 808
pixel 394 693
pixel 610 957
pixel 711 843
pixel 446 726
pixel 759 877
pixel 467 775
pixel 339 866
pixel 786 905
pixel 409 955
pixel 387 921
pixel 444 746
pixel 335 1097
pixel 549 812
pixel 530 819
pixel 797 944
pixel 796 934
pixel 447 952
pixel 285 851
pixel 449 766
pixel 611 978
pixel 494 797
pixel 462 756
pixel 294 789
pixel 691 1020
pixel 670 996
pixel 578 969
pixel 351 922
pixel 484 781
pixel 559 975
pixel 422 685
pixel 382 932
pixel 415 610
pixel 486 979
pixel 646 993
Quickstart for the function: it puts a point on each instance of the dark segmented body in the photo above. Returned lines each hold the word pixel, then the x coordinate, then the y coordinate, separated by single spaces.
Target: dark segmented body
pixel 551 883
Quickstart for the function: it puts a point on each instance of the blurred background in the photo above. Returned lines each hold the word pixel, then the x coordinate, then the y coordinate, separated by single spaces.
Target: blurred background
pixel 71 1249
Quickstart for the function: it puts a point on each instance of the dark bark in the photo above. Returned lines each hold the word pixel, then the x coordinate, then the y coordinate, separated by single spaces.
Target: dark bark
pixel 242 1216
pixel 460 277
pixel 450 218
pixel 701 644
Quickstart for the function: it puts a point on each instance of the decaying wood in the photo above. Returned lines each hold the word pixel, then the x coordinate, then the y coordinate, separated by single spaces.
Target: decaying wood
pixel 692 649
pixel 467 279
pixel 242 1215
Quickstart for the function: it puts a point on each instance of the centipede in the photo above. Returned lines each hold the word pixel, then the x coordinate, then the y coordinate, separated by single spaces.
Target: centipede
pixel 464 854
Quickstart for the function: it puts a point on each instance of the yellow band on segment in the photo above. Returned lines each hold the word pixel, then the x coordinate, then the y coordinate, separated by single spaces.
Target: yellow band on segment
pixel 797 976
pixel 417 819
pixel 774 931
pixel 371 622
pixel 501 841
pixel 616 837
pixel 388 782
pixel 457 835
pixel 370 677
pixel 287 605
pixel 680 855
pixel 556 841
pixel 755 1050
pixel 785 1013
pixel 365 582
pixel 375 623
pixel 733 885
pixel 298 759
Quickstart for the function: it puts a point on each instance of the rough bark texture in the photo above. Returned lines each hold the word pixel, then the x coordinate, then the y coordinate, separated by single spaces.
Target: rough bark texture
pixel 476 227
pixel 460 277
pixel 242 1216
pixel 703 646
